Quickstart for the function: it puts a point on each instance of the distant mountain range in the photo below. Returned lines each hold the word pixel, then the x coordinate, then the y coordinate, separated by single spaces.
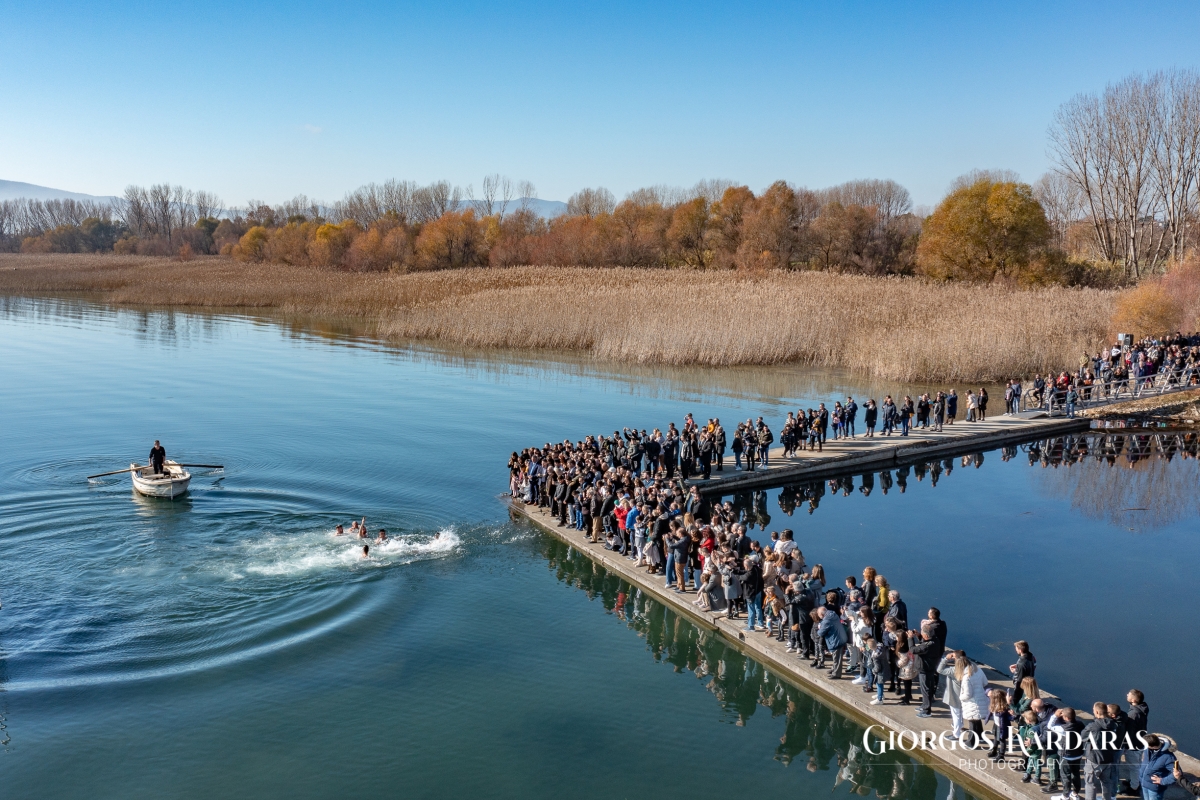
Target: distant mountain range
pixel 12 190
pixel 547 209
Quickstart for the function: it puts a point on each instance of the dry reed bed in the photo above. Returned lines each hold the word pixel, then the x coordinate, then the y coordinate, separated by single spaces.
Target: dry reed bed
pixel 890 328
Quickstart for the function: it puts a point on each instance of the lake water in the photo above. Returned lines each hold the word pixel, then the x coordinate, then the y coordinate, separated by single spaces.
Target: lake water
pixel 227 644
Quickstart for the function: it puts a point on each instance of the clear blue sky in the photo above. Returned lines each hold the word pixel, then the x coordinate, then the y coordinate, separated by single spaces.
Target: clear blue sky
pixel 266 100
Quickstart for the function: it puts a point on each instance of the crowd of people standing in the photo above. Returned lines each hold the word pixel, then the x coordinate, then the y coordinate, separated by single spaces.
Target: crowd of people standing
pixel 859 630
pixel 1118 370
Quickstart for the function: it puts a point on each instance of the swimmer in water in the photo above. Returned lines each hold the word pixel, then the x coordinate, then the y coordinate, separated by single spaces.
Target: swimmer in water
pixel 339 532
pixel 366 550
pixel 382 536
pixel 362 532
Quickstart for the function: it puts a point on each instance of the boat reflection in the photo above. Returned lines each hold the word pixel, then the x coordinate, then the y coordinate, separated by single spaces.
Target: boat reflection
pixel 161 507
pixel 813 733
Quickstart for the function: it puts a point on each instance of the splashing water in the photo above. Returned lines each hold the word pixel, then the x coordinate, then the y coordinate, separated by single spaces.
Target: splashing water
pixel 287 555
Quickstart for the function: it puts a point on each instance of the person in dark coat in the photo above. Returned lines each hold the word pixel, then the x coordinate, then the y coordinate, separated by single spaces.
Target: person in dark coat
pixel 848 416
pixel 687 456
pixel 706 455
pixel 897 610
pixel 1024 668
pixel 1135 724
pixel 719 445
pixel 158 454
pixel 800 604
pixel 752 590
pixel 928 653
pixel 1139 713
pixel 1100 752
pixel 1191 786
pixel 1158 768
pixel 1069 736
pixel 937 628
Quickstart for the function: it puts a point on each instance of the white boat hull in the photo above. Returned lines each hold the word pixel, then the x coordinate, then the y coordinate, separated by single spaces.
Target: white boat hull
pixel 173 481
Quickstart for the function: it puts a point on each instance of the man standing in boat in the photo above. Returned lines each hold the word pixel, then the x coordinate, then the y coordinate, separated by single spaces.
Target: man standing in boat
pixel 158 454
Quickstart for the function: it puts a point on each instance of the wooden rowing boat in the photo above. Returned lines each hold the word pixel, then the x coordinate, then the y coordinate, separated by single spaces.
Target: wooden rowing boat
pixel 172 482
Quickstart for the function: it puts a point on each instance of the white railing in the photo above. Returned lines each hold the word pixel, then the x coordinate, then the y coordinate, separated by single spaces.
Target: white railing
pixel 1053 400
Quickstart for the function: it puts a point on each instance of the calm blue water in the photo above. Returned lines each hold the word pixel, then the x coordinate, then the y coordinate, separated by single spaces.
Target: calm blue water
pixel 227 643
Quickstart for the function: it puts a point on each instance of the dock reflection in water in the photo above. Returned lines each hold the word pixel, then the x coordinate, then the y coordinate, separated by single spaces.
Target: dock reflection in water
pixel 813 733
pixel 1106 475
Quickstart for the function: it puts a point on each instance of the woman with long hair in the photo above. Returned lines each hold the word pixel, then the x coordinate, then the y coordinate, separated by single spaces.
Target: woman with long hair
pixel 816 580
pixel 951 697
pixel 973 695
pixel 1002 717
pixel 1028 693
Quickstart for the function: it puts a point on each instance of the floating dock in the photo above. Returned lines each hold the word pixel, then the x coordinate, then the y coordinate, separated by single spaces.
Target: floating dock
pixel 842 456
pixel 971 769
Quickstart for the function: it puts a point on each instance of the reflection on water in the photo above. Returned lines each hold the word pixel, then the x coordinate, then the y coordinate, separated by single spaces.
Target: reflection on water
pixel 5 736
pixel 814 734
pixel 1138 480
pixel 1107 476
pixel 782 385
pixel 160 508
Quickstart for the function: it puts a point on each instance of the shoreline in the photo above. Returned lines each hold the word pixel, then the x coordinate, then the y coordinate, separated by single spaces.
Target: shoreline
pixel 877 328
pixel 1182 407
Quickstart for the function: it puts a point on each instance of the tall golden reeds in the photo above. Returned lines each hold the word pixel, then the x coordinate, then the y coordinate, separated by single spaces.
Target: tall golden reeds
pixel 901 329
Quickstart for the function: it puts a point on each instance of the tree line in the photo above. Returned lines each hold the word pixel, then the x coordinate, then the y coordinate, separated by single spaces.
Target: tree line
pixel 1121 202
pixel 1127 162
pixel 863 226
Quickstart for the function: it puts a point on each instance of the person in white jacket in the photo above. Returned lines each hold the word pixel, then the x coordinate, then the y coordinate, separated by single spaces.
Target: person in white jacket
pixel 860 630
pixel 951 696
pixel 972 694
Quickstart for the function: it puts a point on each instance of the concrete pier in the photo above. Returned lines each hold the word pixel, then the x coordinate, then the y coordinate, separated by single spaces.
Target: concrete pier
pixel 879 452
pixel 971 770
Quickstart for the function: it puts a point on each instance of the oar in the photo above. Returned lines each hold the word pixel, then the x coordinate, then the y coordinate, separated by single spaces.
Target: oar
pixel 114 472
pixel 205 466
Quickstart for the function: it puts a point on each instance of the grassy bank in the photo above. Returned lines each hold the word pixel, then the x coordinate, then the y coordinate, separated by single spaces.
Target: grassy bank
pixel 893 328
